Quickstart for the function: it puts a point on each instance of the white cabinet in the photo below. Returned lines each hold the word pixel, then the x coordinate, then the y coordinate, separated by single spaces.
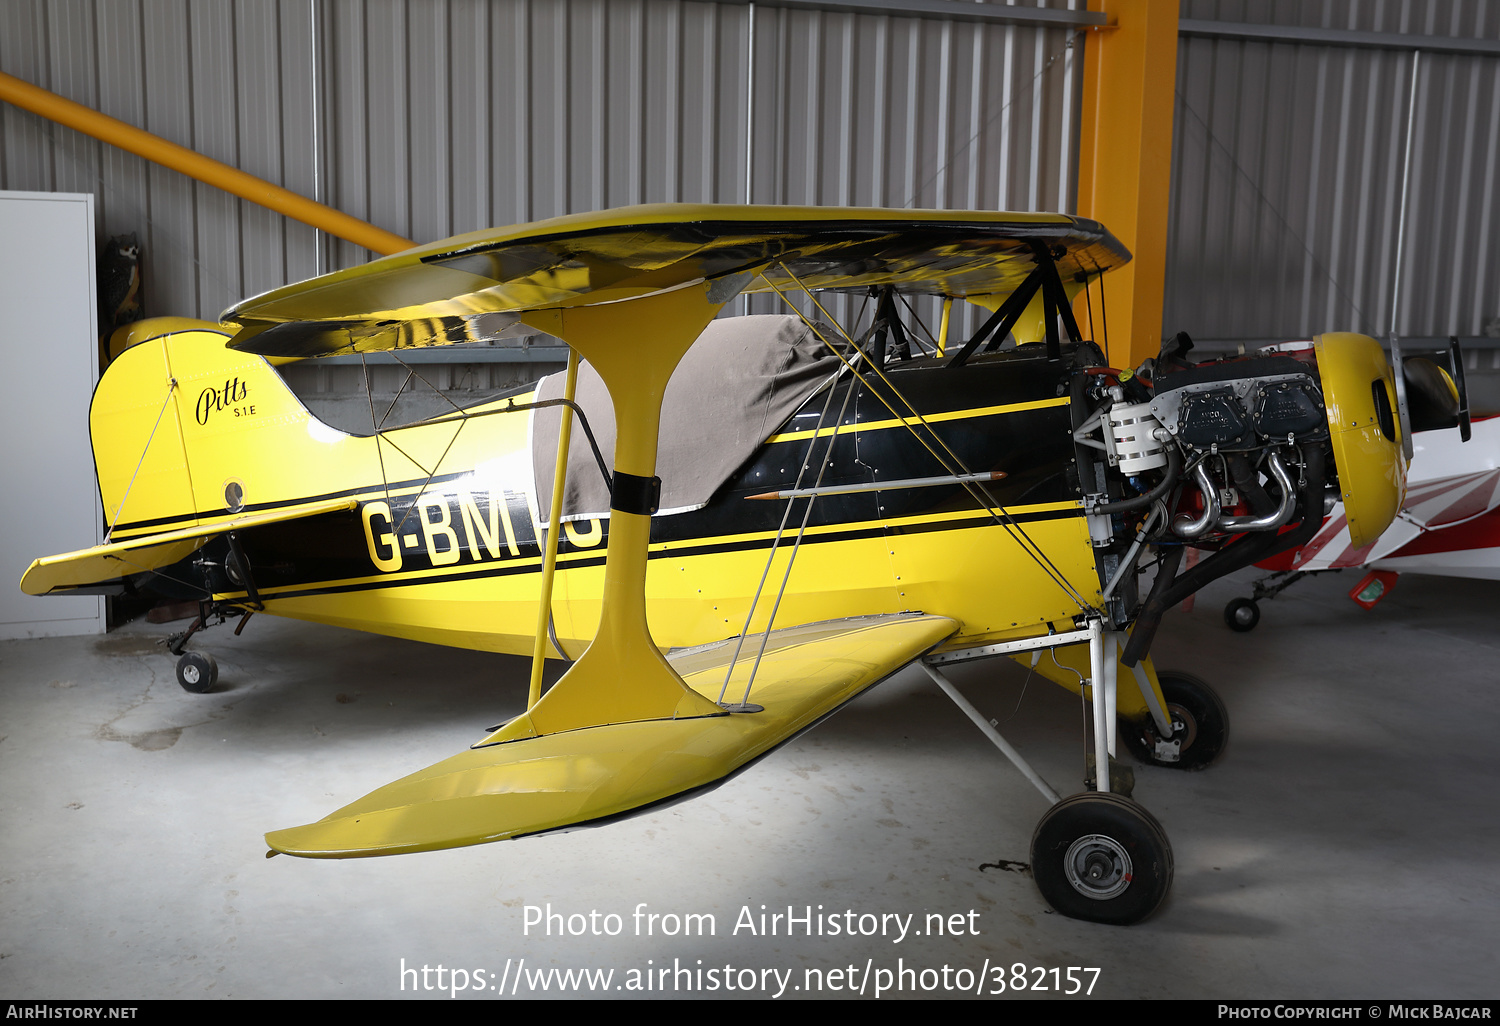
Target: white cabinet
pixel 49 502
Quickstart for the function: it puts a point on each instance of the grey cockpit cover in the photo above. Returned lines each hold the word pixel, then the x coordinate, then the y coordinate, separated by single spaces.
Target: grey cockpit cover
pixel 737 384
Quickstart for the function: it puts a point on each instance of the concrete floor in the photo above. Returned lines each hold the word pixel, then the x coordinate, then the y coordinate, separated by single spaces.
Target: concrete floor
pixel 1344 847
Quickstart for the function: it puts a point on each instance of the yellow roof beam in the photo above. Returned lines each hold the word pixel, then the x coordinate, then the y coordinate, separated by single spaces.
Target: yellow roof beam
pixel 195 165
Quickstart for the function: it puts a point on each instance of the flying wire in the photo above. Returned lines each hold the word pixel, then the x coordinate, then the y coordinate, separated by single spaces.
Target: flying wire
pixel 1088 300
pixel 776 541
pixel 410 370
pixel 378 427
pixel 918 319
pixel 156 571
pixel 120 509
pixel 1260 195
pixel 802 529
pixel 394 399
pixel 374 426
pixel 979 493
pixel 1103 314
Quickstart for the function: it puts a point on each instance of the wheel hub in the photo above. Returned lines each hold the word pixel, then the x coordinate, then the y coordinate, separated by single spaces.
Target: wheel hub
pixel 1098 867
pixel 1184 727
pixel 190 674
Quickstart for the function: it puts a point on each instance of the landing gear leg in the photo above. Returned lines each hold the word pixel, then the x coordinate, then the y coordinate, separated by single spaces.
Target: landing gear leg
pixel 198 671
pixel 1096 855
pixel 177 642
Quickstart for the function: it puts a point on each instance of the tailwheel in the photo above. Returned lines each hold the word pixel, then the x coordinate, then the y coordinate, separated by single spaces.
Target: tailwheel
pixel 1101 858
pixel 197 672
pixel 1200 726
pixel 1242 614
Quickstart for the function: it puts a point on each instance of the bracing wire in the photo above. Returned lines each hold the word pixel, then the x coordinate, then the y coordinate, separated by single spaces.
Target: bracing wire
pixel 1208 132
pixel 375 426
pixel 776 541
pixel 978 492
pixel 120 509
pixel 801 532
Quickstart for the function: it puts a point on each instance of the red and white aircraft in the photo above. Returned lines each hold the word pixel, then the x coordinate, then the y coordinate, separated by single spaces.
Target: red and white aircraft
pixel 1449 526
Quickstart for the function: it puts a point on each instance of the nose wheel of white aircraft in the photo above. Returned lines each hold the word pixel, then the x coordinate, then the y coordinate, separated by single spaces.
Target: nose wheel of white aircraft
pixel 1242 614
pixel 1200 726
pixel 197 672
pixel 1101 858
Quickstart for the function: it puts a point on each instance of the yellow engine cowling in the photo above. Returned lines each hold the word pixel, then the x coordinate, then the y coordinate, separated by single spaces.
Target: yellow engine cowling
pixel 1359 392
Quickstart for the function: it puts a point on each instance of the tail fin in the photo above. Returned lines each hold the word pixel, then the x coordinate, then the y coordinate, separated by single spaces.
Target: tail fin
pixel 170 423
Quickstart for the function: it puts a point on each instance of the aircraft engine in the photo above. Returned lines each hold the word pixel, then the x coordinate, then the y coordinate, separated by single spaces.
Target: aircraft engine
pixel 1240 457
pixel 1244 425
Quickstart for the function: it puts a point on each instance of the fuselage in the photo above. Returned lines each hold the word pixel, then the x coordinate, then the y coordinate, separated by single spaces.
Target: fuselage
pixel 449 551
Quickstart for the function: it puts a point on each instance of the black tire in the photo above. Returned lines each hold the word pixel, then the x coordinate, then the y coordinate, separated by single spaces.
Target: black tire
pixel 1242 614
pixel 197 672
pixel 1101 858
pixel 1200 722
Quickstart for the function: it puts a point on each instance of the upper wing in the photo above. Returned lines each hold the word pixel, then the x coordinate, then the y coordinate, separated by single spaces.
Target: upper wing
pixel 497 791
pixel 476 285
pixel 105 563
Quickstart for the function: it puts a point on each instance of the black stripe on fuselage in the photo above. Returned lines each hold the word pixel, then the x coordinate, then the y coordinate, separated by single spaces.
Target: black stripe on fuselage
pixel 708 548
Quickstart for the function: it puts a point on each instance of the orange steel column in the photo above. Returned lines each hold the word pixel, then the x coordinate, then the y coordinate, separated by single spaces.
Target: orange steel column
pixel 1125 162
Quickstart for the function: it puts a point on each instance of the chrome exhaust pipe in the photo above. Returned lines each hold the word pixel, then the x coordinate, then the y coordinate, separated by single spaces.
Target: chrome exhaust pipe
pixel 1283 512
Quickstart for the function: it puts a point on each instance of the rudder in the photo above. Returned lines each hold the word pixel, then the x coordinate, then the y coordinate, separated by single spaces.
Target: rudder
pixel 169 422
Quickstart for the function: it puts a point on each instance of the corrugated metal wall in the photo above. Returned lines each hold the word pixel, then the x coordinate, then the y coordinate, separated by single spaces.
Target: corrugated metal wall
pixel 434 117
pixel 1288 169
pixel 229 80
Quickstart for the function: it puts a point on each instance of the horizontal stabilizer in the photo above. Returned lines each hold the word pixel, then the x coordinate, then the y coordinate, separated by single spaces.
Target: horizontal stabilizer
pixel 115 560
pixel 578 776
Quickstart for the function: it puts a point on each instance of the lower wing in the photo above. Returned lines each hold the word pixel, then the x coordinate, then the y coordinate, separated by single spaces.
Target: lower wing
pixel 607 771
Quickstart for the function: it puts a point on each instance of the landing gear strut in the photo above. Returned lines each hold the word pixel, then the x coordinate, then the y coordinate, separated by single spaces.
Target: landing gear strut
pixel 198 671
pixel 1098 855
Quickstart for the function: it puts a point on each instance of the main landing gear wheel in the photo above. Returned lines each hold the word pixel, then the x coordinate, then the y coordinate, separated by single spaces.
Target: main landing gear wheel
pixel 1101 858
pixel 197 672
pixel 1242 614
pixel 1200 725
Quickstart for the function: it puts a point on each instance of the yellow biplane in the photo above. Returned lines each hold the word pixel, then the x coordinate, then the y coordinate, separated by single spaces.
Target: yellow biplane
pixel 731 552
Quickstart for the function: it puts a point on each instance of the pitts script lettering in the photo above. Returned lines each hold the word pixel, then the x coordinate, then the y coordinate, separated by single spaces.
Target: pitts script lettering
pixel 214 399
